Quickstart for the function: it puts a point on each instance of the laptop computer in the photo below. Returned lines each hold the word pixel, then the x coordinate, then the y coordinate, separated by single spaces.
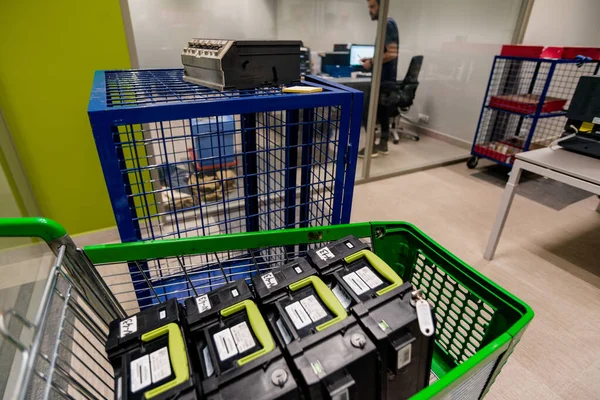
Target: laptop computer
pixel 584 116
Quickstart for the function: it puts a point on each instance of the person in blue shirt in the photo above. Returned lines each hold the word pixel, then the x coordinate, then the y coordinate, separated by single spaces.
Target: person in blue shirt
pixel 389 70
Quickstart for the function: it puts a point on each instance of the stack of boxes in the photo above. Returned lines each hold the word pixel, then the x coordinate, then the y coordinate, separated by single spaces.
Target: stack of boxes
pixel 339 324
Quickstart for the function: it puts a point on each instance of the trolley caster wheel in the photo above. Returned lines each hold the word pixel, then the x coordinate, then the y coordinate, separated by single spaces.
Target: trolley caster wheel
pixel 395 141
pixel 472 162
pixel 416 138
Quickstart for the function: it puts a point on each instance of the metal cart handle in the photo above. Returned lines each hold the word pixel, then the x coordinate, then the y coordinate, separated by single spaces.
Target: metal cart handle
pixel 43 228
pixel 76 263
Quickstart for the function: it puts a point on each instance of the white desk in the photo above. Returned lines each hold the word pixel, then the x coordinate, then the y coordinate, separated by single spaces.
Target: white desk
pixel 348 80
pixel 573 169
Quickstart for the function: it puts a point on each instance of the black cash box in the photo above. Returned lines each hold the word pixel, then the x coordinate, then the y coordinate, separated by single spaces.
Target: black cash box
pixel 330 353
pixel 233 351
pixel 241 64
pixel 149 355
pixel 385 308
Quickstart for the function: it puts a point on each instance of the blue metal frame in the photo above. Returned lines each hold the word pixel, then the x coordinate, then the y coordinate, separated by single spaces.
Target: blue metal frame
pixel 307 138
pixel 539 107
pixel 291 158
pixel 143 98
pixel 250 171
pixel 543 60
pixel 541 115
pixel 538 114
pixel 487 90
pixel 352 149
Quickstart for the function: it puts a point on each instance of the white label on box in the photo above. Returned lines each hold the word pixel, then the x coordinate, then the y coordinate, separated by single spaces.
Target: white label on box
pixel 269 280
pixel 235 293
pixel 299 317
pixel 242 337
pixel 315 311
pixel 298 270
pixel 159 363
pixel 404 355
pixel 325 254
pixel 225 344
pixel 349 245
pixel 128 326
pixel 369 277
pixel 342 296
pixel 285 335
pixel 356 284
pixel 208 362
pixel 162 314
pixel 203 303
pixel 596 121
pixel 140 373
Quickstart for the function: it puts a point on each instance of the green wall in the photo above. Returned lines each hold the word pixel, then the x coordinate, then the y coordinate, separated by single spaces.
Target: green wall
pixel 49 51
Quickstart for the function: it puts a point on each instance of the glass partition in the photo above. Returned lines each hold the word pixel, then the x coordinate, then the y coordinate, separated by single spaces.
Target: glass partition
pixel 454 43
pixel 436 119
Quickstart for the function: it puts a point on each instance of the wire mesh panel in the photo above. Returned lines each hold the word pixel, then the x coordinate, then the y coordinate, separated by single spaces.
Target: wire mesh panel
pixel 66 356
pixel 525 105
pixel 189 275
pixel 181 160
pixel 185 276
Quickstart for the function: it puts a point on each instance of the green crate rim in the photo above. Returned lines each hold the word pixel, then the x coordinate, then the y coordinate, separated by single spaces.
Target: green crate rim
pixel 123 252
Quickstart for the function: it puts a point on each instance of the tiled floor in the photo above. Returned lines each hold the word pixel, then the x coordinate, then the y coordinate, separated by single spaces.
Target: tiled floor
pixel 411 155
pixel 547 258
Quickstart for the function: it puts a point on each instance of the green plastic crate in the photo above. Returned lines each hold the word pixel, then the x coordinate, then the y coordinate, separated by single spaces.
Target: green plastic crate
pixel 478 322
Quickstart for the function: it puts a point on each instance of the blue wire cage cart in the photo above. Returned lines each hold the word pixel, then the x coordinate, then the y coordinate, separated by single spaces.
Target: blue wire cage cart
pixel 524 105
pixel 182 160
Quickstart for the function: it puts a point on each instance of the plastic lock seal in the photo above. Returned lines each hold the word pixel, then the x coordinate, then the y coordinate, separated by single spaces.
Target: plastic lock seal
pixel 424 316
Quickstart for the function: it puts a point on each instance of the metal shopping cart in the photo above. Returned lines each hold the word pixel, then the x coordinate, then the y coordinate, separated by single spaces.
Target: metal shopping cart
pixel 478 322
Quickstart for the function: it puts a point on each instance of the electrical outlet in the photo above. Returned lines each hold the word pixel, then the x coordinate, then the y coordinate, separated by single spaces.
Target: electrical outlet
pixel 424 118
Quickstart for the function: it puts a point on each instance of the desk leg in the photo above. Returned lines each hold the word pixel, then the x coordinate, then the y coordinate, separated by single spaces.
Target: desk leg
pixel 598 208
pixel 505 203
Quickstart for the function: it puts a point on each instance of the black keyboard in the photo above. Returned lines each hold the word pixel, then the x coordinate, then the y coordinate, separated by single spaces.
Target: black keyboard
pixel 586 144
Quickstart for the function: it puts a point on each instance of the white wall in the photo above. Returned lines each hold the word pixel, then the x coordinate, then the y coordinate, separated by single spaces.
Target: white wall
pixel 564 23
pixel 162 28
pixel 458 40
pixel 322 23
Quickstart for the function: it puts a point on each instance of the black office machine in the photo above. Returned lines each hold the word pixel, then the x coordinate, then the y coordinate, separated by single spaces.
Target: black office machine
pixel 331 354
pixel 305 61
pixel 584 118
pixel 336 64
pixel 241 64
pixel 149 356
pixel 397 320
pixel 232 349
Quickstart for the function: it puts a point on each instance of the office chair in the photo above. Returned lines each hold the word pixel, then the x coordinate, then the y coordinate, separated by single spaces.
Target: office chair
pixel 405 94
